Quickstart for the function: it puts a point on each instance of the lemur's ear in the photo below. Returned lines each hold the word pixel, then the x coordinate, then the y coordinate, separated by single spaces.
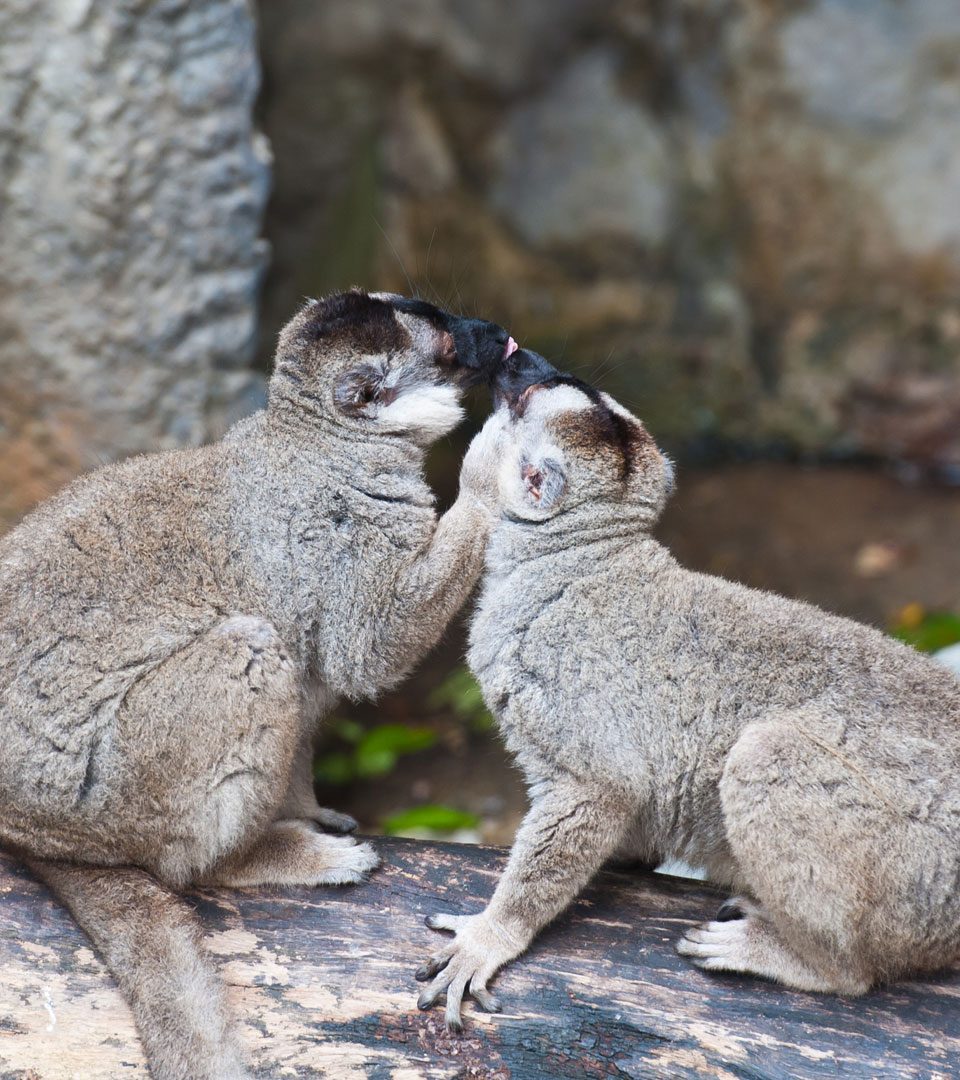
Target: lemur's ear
pixel 545 482
pixel 360 388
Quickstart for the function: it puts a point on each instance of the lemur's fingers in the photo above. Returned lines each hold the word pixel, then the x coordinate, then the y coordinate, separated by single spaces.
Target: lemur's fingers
pixel 465 965
pixel 436 989
pixel 711 941
pixel 487 1001
pixel 435 962
pixel 454 1000
pixel 444 921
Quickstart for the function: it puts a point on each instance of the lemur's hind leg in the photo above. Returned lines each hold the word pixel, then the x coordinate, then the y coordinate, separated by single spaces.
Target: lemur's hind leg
pixel 210 739
pixel 805 829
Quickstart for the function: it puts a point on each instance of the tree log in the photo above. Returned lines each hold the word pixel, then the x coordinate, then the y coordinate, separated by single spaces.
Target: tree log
pixel 321 983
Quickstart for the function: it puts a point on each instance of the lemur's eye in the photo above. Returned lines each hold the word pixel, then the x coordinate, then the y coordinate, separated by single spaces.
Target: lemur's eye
pixel 358 388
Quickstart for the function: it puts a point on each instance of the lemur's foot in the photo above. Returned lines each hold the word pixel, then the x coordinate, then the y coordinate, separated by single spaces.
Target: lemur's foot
pixel 742 940
pixel 335 822
pixel 347 863
pixel 467 964
pixel 295 853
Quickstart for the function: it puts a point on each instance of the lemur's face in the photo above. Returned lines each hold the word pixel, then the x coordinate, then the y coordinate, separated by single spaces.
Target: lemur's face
pixel 386 364
pixel 564 444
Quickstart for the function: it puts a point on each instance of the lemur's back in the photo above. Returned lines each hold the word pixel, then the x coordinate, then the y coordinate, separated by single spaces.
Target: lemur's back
pixel 128 547
pixel 618 618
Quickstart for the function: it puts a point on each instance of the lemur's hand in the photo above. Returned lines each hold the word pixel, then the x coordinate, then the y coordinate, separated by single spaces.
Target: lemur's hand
pixel 481 464
pixel 480 946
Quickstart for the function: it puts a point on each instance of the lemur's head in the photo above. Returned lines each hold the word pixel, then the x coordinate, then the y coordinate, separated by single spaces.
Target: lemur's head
pixel 562 445
pixel 384 364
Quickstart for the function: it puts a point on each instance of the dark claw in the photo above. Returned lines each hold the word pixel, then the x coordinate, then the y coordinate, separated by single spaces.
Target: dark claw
pixel 332 821
pixel 429 968
pixel 730 911
pixel 488 1003
pixel 428 998
pixel 455 1026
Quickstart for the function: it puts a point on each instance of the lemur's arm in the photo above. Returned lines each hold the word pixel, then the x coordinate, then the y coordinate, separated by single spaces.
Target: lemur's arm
pixel 434 586
pixel 415 593
pixel 568 833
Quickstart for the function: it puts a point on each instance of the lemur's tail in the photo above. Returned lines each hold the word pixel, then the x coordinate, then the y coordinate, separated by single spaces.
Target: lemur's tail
pixel 151 942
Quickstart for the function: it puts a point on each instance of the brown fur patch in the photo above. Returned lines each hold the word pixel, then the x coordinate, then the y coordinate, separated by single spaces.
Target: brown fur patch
pixel 600 432
pixel 359 321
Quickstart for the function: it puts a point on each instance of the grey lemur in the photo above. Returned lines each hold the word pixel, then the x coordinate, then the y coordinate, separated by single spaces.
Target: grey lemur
pixel 173 628
pixel 807 762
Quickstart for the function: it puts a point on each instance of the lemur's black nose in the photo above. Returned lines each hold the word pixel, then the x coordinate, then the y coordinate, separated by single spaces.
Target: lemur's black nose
pixel 519 370
pixel 481 346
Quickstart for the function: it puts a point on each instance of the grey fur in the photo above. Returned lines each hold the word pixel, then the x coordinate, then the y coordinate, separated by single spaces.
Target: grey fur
pixel 804 760
pixel 173 629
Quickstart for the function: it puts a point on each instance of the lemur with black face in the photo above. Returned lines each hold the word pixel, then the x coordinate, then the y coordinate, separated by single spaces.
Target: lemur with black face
pixel 174 628
pixel 808 763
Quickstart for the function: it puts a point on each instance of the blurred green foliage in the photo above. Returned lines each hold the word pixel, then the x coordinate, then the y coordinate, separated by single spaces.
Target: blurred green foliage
pixel 434 819
pixel 370 753
pixel 460 694
pixel 359 752
pixel 927 631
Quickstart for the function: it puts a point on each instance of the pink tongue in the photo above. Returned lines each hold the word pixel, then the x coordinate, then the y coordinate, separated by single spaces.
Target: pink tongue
pixel 511 348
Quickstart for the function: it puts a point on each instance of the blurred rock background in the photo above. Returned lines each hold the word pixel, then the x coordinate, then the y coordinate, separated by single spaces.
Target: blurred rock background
pixel 743 218
pixel 744 215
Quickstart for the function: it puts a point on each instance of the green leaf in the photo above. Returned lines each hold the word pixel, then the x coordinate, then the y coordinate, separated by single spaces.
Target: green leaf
pixel 375 762
pixel 440 819
pixel 397 738
pixel 932 631
pixel 334 768
pixel 378 750
pixel 348 730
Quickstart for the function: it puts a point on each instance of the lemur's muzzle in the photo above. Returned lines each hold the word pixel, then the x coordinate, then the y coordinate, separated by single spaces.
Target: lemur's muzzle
pixel 482 347
pixel 519 371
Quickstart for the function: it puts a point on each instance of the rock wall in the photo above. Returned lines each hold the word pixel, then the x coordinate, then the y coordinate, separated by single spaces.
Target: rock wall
pixel 744 217
pixel 132 185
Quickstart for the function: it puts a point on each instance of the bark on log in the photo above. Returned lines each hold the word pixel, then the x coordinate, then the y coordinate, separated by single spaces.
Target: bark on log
pixel 321 983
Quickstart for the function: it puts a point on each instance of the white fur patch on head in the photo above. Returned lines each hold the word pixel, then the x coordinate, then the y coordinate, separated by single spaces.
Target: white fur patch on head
pixel 555 400
pixel 423 334
pixel 425 412
pixel 614 406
